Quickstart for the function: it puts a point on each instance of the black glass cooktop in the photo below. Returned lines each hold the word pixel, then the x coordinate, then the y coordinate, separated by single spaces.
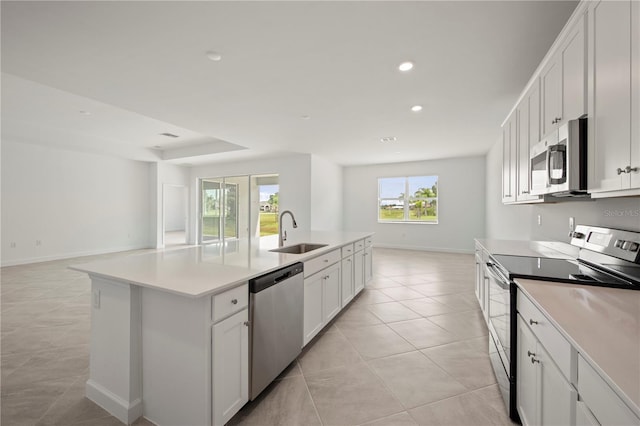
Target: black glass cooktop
pixel 561 270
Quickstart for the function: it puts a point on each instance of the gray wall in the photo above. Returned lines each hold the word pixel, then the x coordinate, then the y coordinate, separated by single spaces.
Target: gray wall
pixel 461 204
pixel 521 221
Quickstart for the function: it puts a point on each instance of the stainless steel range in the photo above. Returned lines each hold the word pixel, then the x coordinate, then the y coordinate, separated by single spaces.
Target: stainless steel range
pixel 607 257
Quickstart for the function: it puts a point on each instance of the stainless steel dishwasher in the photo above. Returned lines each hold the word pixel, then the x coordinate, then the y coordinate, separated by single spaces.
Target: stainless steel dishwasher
pixel 275 313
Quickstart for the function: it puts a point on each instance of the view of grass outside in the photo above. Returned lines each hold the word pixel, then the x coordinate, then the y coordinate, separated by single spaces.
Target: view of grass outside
pixel 408 199
pixel 269 207
pixel 268 223
pixel 211 228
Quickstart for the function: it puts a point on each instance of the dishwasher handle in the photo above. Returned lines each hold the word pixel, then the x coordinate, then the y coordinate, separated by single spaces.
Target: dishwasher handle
pixel 263 282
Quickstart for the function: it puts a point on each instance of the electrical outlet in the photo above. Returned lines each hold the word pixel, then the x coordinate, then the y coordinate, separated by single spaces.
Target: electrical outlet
pixel 572 224
pixel 539 220
pixel 96 299
pixel 12 245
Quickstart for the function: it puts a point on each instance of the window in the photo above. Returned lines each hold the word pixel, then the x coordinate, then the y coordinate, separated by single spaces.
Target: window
pixel 411 199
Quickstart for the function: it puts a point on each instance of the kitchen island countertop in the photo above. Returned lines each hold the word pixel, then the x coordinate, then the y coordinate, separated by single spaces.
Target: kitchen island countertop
pixel 197 271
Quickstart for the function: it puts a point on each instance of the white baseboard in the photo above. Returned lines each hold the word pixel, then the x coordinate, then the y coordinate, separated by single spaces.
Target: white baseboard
pixel 49 258
pixel 420 248
pixel 119 408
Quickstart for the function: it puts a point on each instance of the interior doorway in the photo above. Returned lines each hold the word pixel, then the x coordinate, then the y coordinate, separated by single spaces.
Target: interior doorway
pixel 174 215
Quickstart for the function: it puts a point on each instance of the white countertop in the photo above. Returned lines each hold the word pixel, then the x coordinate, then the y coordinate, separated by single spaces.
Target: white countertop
pixel 551 249
pixel 602 323
pixel 202 270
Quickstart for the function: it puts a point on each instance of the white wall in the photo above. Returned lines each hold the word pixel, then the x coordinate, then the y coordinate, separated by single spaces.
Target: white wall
pixel 294 176
pixel 73 203
pixel 175 208
pixel 461 204
pixel 161 175
pixel 326 195
pixel 520 222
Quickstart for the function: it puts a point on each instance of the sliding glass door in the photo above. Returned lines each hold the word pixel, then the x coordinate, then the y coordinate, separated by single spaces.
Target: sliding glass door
pixel 219 201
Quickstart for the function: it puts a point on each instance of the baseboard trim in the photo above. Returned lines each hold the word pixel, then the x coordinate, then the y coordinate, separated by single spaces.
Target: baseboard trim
pixel 420 248
pixel 26 261
pixel 126 412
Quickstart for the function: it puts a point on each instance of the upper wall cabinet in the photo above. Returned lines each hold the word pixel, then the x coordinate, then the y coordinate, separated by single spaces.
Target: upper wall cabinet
pixel 563 80
pixel 528 134
pixel 509 158
pixel 614 104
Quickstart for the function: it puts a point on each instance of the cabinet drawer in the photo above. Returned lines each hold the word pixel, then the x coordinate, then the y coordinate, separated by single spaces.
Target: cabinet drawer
pixel 556 345
pixel 347 250
pixel 603 402
pixel 225 304
pixel 317 263
pixel 368 242
pixel 359 245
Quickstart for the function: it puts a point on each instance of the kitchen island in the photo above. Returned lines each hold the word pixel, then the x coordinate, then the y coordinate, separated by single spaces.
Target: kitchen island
pixel 169 335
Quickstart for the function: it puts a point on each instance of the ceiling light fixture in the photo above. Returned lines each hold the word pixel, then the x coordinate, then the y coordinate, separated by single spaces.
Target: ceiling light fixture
pixel 305 117
pixel 214 56
pixel 388 139
pixel 157 147
pixel 405 66
pixel 169 135
pixel 416 108
pixel 85 112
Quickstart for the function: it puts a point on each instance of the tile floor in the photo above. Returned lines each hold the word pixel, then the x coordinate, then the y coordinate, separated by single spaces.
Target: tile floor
pixel 410 350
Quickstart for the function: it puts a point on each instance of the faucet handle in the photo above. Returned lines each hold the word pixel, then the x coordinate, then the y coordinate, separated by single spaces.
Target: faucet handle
pixel 284 235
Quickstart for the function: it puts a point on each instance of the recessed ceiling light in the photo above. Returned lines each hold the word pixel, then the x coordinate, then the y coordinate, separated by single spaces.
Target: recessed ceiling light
pixel 85 112
pixel 157 147
pixel 388 139
pixel 214 56
pixel 169 135
pixel 416 108
pixel 405 66
pixel 305 117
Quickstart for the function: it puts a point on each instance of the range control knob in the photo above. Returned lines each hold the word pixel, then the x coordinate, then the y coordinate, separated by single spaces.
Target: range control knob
pixel 619 243
pixel 578 235
pixel 633 246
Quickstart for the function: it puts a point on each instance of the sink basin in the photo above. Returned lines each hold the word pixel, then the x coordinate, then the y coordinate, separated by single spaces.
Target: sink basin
pixel 299 248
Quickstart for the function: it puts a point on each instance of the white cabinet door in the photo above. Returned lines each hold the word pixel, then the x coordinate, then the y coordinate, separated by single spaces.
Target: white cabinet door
pixel 348 290
pixel 610 95
pixel 635 93
pixel 358 271
pixel 331 292
pixel 509 158
pixel 368 264
pixel 527 383
pixel 551 84
pixel 528 113
pixel 573 74
pixel 230 366
pixel 312 306
pixel 557 397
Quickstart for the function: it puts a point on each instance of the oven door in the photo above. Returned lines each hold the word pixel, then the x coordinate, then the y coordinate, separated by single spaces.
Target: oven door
pixel 500 311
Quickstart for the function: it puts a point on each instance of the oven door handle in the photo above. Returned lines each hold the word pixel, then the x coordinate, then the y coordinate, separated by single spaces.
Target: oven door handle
pixel 498 277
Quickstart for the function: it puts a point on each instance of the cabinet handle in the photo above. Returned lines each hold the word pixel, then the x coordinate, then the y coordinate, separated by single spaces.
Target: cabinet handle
pixel 348 260
pixel 533 360
pixel 630 169
pixel 525 192
pixel 529 353
pixel 531 322
pixel 234 301
pixel 246 323
pixel 620 171
pixel 326 261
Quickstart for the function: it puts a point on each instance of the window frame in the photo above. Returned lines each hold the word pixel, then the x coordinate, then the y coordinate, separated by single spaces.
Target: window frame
pixel 408 200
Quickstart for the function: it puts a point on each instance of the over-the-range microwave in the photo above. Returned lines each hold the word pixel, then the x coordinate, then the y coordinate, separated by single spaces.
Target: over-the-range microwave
pixel 559 161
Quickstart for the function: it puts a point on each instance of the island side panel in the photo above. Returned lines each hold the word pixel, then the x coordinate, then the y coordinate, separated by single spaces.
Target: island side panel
pixel 176 358
pixel 115 364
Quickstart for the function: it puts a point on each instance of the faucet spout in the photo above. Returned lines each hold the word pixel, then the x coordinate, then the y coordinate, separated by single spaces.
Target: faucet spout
pixel 282 234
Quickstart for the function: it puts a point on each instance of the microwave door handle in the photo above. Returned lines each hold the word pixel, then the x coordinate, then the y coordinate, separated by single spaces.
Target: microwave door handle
pixel 563 151
pixel 548 167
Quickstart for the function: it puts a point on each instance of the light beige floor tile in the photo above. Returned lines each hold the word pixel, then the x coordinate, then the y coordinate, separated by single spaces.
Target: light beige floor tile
pixel 427 307
pixel 356 316
pixel 473 408
pixel 329 351
pixel 441 288
pixel 351 395
pixel 401 293
pixel 291 371
pixel 370 296
pixel 392 311
pixel 27 404
pixel 467 361
pixel 400 419
pixel 382 282
pixel 463 324
pixel 415 380
pixel 466 300
pixel 422 333
pixel 376 341
pixel 284 402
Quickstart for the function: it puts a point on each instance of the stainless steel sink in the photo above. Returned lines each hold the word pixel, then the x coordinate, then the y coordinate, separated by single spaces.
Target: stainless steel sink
pixel 299 248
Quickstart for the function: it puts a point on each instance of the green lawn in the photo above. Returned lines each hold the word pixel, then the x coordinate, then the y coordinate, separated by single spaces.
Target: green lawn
pixel 268 223
pixel 398 214
pixel 210 226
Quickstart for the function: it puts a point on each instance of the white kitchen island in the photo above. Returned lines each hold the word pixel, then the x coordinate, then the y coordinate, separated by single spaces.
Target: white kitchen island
pixel 169 335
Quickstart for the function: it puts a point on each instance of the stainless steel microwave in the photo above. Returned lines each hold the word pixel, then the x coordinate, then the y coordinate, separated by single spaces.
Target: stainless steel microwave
pixel 559 161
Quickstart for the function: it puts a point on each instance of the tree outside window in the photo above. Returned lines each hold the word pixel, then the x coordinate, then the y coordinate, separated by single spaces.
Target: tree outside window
pixel 411 199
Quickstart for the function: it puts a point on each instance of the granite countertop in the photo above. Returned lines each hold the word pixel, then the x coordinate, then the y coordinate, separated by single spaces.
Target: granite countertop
pixel 551 249
pixel 602 323
pixel 197 271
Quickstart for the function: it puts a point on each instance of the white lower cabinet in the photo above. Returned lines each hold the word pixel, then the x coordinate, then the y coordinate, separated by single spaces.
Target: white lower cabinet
pixel 584 416
pixel 322 299
pixel 348 290
pixel 545 396
pixel 230 366
pixel 368 264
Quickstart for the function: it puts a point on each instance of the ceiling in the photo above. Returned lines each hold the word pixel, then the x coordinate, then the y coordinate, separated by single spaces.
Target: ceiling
pixel 309 77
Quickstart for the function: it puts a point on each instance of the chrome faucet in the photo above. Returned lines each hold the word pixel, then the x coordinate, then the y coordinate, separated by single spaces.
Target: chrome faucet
pixel 281 233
